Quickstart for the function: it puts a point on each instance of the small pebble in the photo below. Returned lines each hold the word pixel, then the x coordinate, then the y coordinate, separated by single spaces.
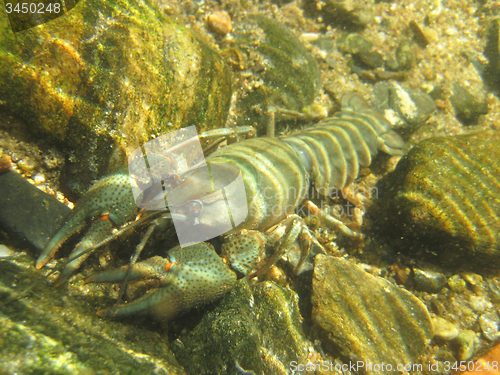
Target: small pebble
pixel 472 278
pixel 52 162
pixel 468 106
pixel 5 163
pixel 418 34
pixel 27 165
pixel 490 325
pixel 353 43
pixel 308 37
pixel 444 329
pixel 5 251
pixel 456 283
pixel 479 304
pixel 466 342
pixel 403 107
pixel 39 179
pixel 315 111
pixel 494 287
pixel 428 281
pixel 405 55
pixel 220 22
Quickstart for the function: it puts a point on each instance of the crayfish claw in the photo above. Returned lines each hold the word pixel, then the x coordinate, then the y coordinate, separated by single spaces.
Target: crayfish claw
pixel 98 231
pixel 153 268
pixel 190 277
pixel 107 204
pixel 163 303
pixel 75 223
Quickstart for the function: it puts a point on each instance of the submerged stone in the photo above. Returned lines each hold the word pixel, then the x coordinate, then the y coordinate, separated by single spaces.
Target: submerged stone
pixel 366 318
pixel 444 329
pixel 46 330
pixel 405 55
pixel 444 197
pixel 468 107
pixel 351 15
pixel 28 214
pixel 405 108
pixel 353 43
pixel 285 76
pixel 492 53
pixel 110 75
pixel 255 332
pixel 428 281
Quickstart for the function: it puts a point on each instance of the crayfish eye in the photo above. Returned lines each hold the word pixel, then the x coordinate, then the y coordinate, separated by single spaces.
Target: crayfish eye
pixel 194 208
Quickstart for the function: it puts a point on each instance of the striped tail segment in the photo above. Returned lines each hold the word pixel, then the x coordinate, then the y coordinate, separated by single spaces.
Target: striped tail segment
pixel 277 172
pixel 332 151
pixel 274 177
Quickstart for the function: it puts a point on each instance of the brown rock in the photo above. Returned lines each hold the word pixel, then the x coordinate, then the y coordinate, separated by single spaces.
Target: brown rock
pixel 220 22
pixel 444 198
pixel 368 318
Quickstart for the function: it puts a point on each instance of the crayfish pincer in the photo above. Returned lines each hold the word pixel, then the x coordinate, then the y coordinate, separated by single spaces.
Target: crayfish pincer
pixel 108 204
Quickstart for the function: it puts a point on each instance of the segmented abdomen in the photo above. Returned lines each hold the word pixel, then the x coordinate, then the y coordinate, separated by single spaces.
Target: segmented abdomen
pixel 332 151
pixel 277 172
pixel 274 177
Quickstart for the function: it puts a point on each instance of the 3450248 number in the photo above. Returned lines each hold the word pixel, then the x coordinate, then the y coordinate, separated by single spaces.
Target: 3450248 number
pixel 471 366
pixel 33 8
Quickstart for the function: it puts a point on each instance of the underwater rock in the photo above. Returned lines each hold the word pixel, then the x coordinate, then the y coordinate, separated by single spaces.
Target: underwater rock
pixel 457 284
pixel 353 43
pixel 367 318
pixel 110 75
pixel 351 15
pixel 444 197
pixel 494 289
pixel 466 345
pixel 405 108
pixel 220 22
pixel 444 329
pixel 284 74
pixel 492 53
pixel 405 55
pixel 27 213
pixel 371 59
pixel 468 107
pixel 490 325
pixel 428 281
pixel 255 332
pixel 418 35
pixel 47 331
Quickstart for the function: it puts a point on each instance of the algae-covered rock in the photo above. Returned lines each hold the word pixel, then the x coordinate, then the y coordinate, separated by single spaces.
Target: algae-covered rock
pixel 492 53
pixel 49 330
pixel 28 214
pixel 353 43
pixel 110 73
pixel 346 14
pixel 444 197
pixel 468 107
pixel 367 319
pixel 405 54
pixel 255 332
pixel 407 109
pixel 284 74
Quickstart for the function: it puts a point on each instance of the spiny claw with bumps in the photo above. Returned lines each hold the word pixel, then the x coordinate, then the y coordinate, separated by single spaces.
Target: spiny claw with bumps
pixel 188 277
pixel 108 204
